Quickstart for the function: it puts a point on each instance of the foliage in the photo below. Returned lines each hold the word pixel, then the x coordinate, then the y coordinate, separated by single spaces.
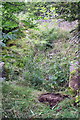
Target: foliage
pixel 41 9
pixel 45 39
pixel 66 10
pixel 46 10
pixel 23 61
pixel 10 23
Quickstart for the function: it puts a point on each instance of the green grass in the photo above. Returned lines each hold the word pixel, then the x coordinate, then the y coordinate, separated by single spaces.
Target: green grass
pixel 22 102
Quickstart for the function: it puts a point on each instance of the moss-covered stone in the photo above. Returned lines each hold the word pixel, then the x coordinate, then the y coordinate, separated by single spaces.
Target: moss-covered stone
pixel 73 72
pixel 74 79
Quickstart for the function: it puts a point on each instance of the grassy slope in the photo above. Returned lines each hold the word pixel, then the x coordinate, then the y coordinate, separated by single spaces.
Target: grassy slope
pixel 20 100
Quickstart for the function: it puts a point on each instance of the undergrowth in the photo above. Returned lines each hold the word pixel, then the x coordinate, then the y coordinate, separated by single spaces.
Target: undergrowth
pixel 32 61
pixel 36 64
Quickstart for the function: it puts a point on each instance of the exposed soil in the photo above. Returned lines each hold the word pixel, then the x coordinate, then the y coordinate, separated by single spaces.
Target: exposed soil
pixel 52 98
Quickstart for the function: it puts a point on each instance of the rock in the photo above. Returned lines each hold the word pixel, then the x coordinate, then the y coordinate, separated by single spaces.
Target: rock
pixel 2 79
pixel 74 80
pixel 1 68
pixel 1 71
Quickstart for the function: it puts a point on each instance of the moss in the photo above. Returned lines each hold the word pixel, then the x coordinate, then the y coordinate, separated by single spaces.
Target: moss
pixel 73 72
pixel 70 91
pixel 77 99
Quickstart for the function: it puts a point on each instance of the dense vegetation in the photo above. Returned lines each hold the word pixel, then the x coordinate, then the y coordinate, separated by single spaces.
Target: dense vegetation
pixel 37 51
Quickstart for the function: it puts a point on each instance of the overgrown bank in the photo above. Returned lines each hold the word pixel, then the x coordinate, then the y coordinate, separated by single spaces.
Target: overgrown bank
pixel 35 64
